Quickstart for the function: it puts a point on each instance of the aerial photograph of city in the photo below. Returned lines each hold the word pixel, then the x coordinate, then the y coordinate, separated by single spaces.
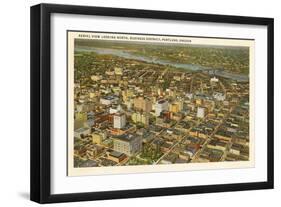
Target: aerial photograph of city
pixel 159 103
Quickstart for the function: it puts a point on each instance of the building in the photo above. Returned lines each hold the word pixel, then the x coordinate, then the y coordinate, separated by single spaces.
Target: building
pixel 191 149
pixel 218 145
pixel 200 112
pixel 129 103
pixel 219 96
pixel 116 156
pixel 174 108
pixel 160 106
pixel 79 119
pixel 166 114
pixel 98 137
pixel 84 107
pixel 82 132
pixel 235 149
pixel 109 72
pixel 125 130
pixel 143 104
pixel 140 118
pixel 119 120
pixel 89 163
pixel 214 80
pixel 189 95
pixel 176 116
pixel 89 123
pixel 96 77
pixel 118 71
pixel 128 143
pixel 126 94
pixel 113 110
pixel 108 100
pixel 180 104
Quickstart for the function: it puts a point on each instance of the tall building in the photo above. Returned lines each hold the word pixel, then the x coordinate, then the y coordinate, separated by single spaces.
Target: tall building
pixel 174 108
pixel 179 102
pixel 201 112
pixel 143 104
pixel 96 77
pixel 126 94
pixel 119 120
pixel 128 144
pixel 129 103
pixel 160 106
pixel 141 118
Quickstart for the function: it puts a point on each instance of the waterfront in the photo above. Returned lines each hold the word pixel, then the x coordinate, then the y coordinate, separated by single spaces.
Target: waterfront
pixel 189 67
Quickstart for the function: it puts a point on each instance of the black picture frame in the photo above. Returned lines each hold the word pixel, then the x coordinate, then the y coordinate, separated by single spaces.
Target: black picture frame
pixel 40 184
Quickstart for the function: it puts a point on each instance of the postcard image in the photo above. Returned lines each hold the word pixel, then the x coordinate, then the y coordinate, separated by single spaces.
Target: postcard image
pixel 141 103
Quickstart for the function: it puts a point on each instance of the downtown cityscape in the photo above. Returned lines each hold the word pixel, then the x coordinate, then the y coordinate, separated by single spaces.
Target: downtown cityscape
pixel 147 104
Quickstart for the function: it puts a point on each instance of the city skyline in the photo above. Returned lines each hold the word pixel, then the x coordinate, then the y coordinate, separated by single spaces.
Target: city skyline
pixel 159 104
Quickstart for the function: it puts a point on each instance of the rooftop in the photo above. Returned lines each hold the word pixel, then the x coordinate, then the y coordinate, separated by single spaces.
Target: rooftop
pixel 125 137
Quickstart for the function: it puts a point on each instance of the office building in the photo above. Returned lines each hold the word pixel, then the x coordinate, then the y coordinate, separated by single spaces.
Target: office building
pixel 119 120
pixel 142 104
pixel 128 143
pixel 160 106
pixel 140 118
pixel 200 112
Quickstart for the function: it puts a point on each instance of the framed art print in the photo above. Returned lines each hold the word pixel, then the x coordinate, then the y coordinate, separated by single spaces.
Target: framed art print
pixel 132 103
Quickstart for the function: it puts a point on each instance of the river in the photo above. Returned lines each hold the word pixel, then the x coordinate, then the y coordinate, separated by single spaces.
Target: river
pixel 192 67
